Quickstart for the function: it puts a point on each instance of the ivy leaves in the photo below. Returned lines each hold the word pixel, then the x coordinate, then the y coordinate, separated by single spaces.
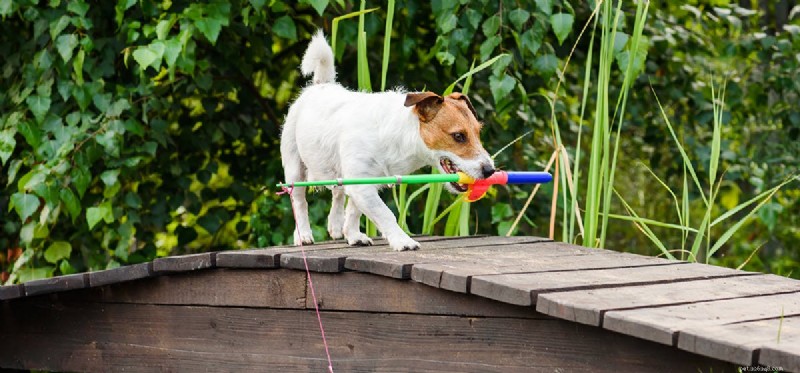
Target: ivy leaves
pixel 524 28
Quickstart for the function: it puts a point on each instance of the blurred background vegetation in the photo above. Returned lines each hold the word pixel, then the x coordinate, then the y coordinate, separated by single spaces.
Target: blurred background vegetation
pixel 132 129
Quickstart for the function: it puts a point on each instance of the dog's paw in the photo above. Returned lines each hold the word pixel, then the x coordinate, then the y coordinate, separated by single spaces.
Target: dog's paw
pixel 404 244
pixel 359 239
pixel 335 230
pixel 305 238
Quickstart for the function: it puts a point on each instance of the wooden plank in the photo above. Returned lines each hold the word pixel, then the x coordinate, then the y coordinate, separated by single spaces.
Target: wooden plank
pixel 502 250
pixel 11 292
pixel 457 275
pixel 353 291
pixel 133 337
pixel 335 260
pixel 662 324
pixel 56 284
pixel 217 287
pixel 740 342
pixel 183 263
pixel 588 306
pixel 781 355
pixel 522 289
pixel 270 257
pixel 121 274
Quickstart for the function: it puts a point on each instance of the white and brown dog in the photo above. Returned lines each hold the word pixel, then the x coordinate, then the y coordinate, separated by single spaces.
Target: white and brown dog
pixel 331 132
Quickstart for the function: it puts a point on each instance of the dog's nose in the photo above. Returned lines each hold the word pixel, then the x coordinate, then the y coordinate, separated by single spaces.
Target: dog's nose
pixel 487 170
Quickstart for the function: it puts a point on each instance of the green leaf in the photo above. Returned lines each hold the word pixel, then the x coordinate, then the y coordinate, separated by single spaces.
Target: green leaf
pixel 119 106
pixel 144 57
pixel 72 204
pixel 488 46
pixel 501 87
pixel 474 18
pixel 545 6
pixel 78 7
pixel 163 27
pixel 172 49
pixel 95 214
pixel 319 5
pixel 518 17
pixel 13 169
pixel 491 25
pixel 39 105
pixel 210 27
pixel 532 40
pixel 25 204
pixel 57 250
pixel 77 66
pixel 546 64
pixel 81 178
pixel 210 222
pixel 133 200
pixel 562 25
pixel 6 7
pixel 59 25
pixel 7 143
pixel 284 27
pixel 30 274
pixel 448 23
pixel 65 45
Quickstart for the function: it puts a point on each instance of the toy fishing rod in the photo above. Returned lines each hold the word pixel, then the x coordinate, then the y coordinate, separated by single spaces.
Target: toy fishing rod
pixel 476 189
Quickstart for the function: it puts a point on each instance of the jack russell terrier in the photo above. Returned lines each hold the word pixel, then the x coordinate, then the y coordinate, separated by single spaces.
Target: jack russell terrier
pixel 331 132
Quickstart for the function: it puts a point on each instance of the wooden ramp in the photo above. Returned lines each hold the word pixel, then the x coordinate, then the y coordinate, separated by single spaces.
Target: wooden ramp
pixel 470 304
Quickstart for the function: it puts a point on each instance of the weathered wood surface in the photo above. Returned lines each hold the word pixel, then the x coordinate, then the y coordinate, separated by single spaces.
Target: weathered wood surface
pixel 695 307
pixel 381 260
pixel 777 339
pixel 663 324
pixel 589 306
pixel 122 274
pixel 183 263
pixel 141 337
pixel 456 275
pixel 56 284
pixel 523 288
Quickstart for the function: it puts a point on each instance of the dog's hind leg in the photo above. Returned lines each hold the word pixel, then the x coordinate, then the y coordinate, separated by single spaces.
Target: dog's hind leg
pixel 336 215
pixel 295 171
pixel 351 226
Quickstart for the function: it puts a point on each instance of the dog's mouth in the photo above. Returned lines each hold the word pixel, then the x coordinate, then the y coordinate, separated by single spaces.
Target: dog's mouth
pixel 449 167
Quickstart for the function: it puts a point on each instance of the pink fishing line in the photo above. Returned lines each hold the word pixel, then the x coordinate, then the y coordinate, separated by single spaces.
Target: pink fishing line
pixel 289 191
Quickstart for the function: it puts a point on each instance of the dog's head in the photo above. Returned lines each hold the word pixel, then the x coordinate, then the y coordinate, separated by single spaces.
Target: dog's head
pixel 450 129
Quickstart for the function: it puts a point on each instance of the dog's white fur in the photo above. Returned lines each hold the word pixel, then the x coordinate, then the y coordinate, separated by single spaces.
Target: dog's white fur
pixel 331 132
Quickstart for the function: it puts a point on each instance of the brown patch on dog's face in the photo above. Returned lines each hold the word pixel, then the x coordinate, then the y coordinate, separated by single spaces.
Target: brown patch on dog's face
pixel 448 124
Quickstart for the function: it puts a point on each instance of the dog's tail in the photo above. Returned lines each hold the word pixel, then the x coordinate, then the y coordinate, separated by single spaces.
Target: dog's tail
pixel 318 60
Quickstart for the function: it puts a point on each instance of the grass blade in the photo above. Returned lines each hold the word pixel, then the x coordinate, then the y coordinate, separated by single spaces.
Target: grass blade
pixel 473 71
pixel 335 27
pixel 645 229
pixel 686 161
pixel 387 41
pixel 728 233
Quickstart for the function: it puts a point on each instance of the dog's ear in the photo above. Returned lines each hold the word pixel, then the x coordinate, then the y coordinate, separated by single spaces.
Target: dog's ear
pixel 427 104
pixel 463 97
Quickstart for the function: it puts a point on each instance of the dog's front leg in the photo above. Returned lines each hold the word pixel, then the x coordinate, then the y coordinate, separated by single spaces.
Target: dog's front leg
pixel 366 199
pixel 336 215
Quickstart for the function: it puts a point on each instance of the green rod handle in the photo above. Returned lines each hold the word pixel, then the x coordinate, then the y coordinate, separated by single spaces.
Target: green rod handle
pixel 403 179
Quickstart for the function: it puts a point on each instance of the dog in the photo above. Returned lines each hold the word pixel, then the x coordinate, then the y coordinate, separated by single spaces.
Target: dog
pixel 331 132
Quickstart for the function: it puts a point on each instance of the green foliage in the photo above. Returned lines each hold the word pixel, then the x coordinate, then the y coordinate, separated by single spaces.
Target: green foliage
pixel 131 129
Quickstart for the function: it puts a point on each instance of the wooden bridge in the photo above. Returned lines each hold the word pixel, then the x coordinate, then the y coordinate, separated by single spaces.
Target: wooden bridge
pixel 472 304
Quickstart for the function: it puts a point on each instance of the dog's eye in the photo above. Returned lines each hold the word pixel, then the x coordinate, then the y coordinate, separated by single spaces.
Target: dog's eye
pixel 459 137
